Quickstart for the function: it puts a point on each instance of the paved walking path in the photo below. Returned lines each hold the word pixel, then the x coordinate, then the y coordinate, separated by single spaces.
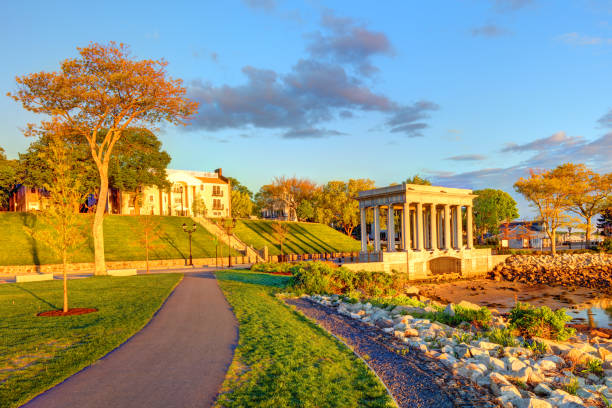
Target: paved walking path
pixel 178 360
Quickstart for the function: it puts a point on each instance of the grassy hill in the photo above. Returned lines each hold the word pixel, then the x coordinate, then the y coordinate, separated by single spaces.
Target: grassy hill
pixel 121 239
pixel 303 238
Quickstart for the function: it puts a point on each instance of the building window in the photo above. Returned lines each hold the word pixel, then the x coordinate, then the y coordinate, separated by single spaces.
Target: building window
pixel 201 187
pixel 217 205
pixel 217 191
pixel 151 198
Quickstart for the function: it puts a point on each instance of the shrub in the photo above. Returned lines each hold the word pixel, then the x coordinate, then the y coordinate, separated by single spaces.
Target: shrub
pixel 320 277
pixel 480 317
pixel 537 347
pixel 532 321
pixel 503 337
pixel 572 387
pixel 606 245
pixel 594 366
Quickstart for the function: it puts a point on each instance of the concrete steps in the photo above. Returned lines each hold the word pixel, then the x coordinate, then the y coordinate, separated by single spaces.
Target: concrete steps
pixel 222 236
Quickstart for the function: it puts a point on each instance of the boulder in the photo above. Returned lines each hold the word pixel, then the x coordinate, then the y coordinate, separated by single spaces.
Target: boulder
pixel 448 310
pixel 411 332
pixel 542 390
pixel 497 381
pixel 412 291
pixel 532 403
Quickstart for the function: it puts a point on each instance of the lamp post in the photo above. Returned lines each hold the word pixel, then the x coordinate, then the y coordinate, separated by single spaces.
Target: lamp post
pixel 189 230
pixel 229 226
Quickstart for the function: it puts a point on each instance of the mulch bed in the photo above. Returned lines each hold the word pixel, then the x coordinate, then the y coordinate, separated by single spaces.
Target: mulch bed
pixel 71 312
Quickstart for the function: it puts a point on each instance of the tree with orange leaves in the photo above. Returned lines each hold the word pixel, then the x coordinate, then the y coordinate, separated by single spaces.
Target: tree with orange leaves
pixel 590 192
pixel 550 192
pixel 289 192
pixel 98 96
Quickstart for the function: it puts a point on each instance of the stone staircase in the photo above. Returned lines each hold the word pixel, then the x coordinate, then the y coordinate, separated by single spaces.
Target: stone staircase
pixel 235 242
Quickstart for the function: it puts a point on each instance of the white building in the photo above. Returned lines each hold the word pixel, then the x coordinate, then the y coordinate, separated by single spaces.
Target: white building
pixel 211 187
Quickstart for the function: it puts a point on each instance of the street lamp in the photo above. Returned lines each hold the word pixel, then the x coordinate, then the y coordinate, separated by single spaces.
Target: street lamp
pixel 229 226
pixel 189 230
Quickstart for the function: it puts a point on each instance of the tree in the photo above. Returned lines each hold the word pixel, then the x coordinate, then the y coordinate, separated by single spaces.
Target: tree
pixel 137 161
pixel 550 192
pixel 8 178
pixel 198 207
pixel 416 179
pixel 306 210
pixel 288 192
pixel 65 232
pixel 338 205
pixel 590 192
pixel 491 208
pixel 236 185
pixel 97 96
pixel 242 206
pixel 605 220
pixel 281 230
pixel 150 232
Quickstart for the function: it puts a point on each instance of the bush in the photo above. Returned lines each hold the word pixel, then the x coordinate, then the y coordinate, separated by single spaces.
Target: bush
pixel 606 245
pixel 503 337
pixel 480 317
pixel 532 321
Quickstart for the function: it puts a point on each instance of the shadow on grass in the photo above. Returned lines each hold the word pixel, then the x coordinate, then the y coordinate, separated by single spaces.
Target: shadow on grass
pixel 254 278
pixel 37 297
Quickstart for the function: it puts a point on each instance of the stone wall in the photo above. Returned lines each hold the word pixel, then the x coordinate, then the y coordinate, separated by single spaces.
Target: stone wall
pixel 89 266
pixel 586 270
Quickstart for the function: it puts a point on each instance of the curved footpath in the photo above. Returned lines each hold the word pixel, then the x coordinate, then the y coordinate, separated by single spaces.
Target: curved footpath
pixel 178 360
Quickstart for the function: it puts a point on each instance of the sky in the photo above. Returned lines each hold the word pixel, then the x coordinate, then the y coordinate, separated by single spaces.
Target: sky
pixel 468 93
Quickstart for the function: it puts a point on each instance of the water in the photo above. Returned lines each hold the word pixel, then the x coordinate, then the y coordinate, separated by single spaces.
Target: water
pixel 598 315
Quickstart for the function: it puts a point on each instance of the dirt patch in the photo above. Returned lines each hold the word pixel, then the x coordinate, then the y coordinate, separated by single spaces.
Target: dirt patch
pixel 71 312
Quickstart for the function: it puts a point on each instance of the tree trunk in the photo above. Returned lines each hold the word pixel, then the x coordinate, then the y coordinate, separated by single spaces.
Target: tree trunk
pixel 553 242
pixel 147 249
pixel 64 261
pixel 98 225
pixel 588 231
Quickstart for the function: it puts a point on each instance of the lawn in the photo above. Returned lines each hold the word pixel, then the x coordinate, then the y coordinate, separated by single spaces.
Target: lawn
pixel 122 236
pixel 303 238
pixel 39 352
pixel 284 360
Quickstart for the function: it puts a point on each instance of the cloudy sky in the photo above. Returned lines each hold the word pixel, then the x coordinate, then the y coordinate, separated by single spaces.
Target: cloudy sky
pixel 470 93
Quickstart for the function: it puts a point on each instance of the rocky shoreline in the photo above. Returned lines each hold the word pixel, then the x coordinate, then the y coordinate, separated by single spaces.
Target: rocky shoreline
pixel 515 375
pixel 584 270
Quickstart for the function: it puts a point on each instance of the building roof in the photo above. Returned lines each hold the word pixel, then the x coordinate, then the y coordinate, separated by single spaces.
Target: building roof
pixel 213 177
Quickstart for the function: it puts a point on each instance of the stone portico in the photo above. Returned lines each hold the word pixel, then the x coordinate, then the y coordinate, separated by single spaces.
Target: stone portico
pixel 424 233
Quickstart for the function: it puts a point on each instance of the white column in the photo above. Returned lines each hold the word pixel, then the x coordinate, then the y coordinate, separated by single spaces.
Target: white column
pixel 447 227
pixel 406 228
pixel 390 229
pixel 376 228
pixel 419 226
pixel 470 238
pixel 364 235
pixel 459 228
pixel 434 228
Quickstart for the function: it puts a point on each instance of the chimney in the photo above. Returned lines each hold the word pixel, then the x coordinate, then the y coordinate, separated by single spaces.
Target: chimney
pixel 219 172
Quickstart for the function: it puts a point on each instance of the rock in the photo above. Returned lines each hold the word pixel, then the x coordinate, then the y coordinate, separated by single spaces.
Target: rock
pixel 486 345
pixel 542 390
pixel 475 352
pixel 509 392
pixel 462 351
pixel 497 381
pixel 577 356
pixel 448 310
pixel 411 332
pixel 384 323
pixel 514 365
pixel 493 363
pixel 532 403
pixel 412 291
pixel 546 364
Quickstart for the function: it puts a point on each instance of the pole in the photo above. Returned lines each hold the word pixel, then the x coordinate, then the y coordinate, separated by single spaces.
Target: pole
pixel 190 257
pixel 229 249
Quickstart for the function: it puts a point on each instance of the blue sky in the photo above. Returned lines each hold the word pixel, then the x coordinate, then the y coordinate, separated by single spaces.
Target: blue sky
pixel 471 93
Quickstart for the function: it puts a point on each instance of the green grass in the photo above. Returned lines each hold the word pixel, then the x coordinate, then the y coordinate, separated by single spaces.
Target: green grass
pixel 303 238
pixel 122 236
pixel 39 352
pixel 284 360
